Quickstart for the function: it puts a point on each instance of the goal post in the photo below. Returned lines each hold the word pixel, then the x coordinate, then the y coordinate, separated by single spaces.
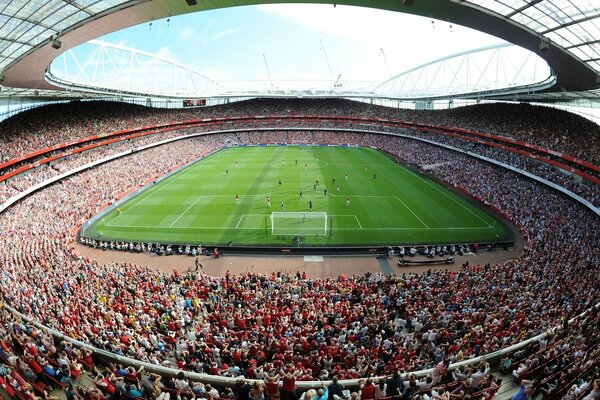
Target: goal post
pixel 299 223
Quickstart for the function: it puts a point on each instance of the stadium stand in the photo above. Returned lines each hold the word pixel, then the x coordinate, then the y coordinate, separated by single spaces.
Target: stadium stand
pixel 281 327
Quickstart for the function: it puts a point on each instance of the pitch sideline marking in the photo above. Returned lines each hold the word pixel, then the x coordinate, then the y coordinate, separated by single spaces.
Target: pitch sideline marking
pixel 131 207
pixel 412 212
pixel 359 224
pixel 454 200
pixel 240 221
pixel 186 210
pixel 445 194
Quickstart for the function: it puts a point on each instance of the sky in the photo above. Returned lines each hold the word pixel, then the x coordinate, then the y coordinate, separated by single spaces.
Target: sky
pixel 300 41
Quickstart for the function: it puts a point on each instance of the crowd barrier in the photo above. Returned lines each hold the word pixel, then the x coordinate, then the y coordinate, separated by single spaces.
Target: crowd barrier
pixel 108 357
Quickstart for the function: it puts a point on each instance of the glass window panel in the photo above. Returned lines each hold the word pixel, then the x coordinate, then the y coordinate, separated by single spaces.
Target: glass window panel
pixel 594 64
pixel 34 35
pixel 549 21
pixel 575 34
pixel 13 49
pixel 34 10
pixel 500 7
pixel 528 21
pixel 61 14
pixel 96 6
pixel 14 7
pixel 37 39
pixel 4 61
pixel 595 48
pixel 3 45
pixel 578 42
pixel 17 29
pixel 579 8
pixel 584 53
pixel 7 26
pixel 588 30
pixel 563 37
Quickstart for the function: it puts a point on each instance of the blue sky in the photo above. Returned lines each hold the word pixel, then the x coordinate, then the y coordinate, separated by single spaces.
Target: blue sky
pixel 228 44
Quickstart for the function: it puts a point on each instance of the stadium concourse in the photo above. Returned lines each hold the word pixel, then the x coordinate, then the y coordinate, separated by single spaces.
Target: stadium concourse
pixel 280 327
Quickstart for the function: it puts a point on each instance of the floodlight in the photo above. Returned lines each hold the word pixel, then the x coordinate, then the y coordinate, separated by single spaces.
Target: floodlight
pixel 56 43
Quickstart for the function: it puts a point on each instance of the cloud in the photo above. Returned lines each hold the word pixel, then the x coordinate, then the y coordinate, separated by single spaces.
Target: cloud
pixel 407 40
pixel 225 32
pixel 210 22
pixel 164 53
pixel 187 34
pixel 308 42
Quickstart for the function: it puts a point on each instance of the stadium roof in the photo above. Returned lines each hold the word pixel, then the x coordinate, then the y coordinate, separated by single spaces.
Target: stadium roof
pixel 566 33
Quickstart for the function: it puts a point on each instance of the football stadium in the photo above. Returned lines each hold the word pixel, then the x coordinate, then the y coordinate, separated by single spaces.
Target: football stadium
pixel 357 200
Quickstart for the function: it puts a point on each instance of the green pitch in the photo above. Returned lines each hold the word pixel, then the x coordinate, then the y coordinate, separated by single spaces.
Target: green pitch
pixel 388 203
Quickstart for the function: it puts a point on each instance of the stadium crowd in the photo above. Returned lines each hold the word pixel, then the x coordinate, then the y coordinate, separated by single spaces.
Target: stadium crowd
pixel 575 184
pixel 283 327
pixel 56 124
pixel 587 190
pixel 543 126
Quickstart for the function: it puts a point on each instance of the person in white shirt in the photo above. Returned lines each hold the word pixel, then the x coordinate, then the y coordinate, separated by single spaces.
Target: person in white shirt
pixel 478 375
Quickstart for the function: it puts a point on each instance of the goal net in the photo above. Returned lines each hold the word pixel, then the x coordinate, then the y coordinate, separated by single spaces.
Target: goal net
pixel 298 223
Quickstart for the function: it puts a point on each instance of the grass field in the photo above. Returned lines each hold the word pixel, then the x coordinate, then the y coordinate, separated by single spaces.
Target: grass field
pixel 389 204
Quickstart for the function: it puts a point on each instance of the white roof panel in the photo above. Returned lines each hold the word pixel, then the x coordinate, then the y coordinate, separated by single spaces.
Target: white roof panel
pixel 566 22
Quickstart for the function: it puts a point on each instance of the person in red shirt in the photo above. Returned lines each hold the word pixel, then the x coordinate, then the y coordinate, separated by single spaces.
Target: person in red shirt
pixel 9 389
pixel 368 390
pixel 105 384
pixel 35 367
pixel 288 387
